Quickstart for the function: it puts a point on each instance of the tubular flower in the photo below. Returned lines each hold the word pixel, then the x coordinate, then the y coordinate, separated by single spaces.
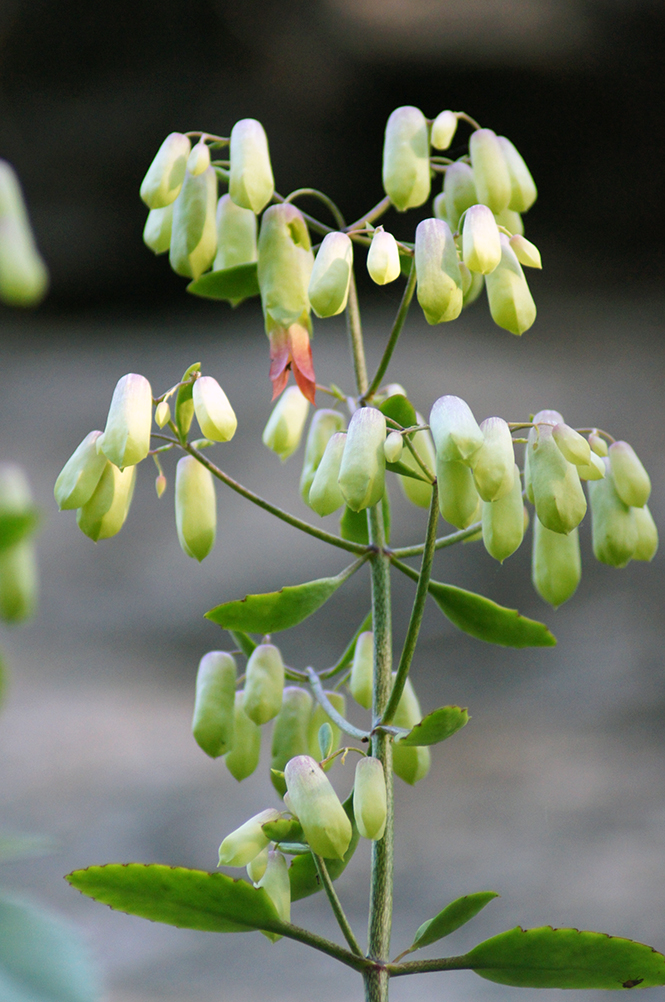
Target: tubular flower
pixel 290 351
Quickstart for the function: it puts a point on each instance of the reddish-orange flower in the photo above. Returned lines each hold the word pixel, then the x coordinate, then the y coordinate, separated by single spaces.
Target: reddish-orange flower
pixel 290 350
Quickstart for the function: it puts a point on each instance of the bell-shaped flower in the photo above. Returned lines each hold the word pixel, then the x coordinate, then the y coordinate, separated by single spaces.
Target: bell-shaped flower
pixel 439 287
pixel 481 245
pixel 329 284
pixel 245 843
pixel 264 684
pixel 631 480
pixel 383 262
pixel 80 474
pixel 213 411
pixel 503 522
pixel 598 445
pixel 243 758
pixel 406 169
pixel 285 265
pixel 157 229
pixel 275 882
pixel 525 252
pixel 523 192
pixel 494 462
pixel 490 171
pixel 459 191
pixel 511 303
pixel 290 351
pixel 283 432
pixel 647 535
pixel 166 173
pixel 362 472
pixel 573 446
pixel 444 128
pixel 289 733
pixel 325 423
pixel 194 229
pixel 456 433
pixel 105 512
pixel 325 495
pixel 369 798
pixel 614 526
pixel 199 158
pixel 459 502
pixel 251 182
pixel 554 483
pixel 556 565
pixel 195 508
pixel 126 438
pixel 393 447
pixel 213 723
pixel 593 470
pixel 236 235
pixel 316 805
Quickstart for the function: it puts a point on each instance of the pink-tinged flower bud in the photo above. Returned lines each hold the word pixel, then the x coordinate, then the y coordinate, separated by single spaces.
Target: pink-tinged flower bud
pixel 630 478
pixel 236 235
pixel 455 431
pixel 573 446
pixel 490 171
pixel 214 713
pixel 80 474
pixel 523 192
pixel 647 535
pixel 195 508
pixel 459 502
pixel 325 423
pixel 157 229
pixel 361 681
pixel 503 522
pixel 614 528
pixel 525 252
pixel 320 717
pixel 410 764
pixel 194 230
pixel 593 470
pixel 444 128
pixel 199 159
pixel 243 758
pixel 417 491
pixel 439 288
pixel 257 866
pixel 556 565
pixel 162 414
pixel 285 265
pixel 554 482
pixel 406 170
pixel 245 843
pixel 598 445
pixel 362 472
pixel 481 246
pixel 275 882
pixel 324 821
pixel 213 411
pixel 166 173
pixel 160 484
pixel 251 182
pixel 369 798
pixel 264 684
pixel 383 262
pixel 289 735
pixel 511 303
pixel 325 495
pixel 283 432
pixel 512 221
pixel 126 438
pixel 328 288
pixel 459 192
pixel 393 446
pixel 104 513
pixel 494 462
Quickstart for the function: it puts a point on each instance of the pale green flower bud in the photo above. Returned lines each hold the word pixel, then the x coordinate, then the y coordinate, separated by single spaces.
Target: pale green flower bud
pixel 325 495
pixel 289 736
pixel 283 432
pixel 213 411
pixel 490 171
pixel 285 264
pixel 554 482
pixel 444 128
pixel 257 866
pixel 369 798
pixel 439 288
pixel 331 275
pixel 476 287
pixel 18 582
pixel 556 565
pixel 526 252
pixel 251 182
pixel 406 170
pixel 166 173
pixel 573 446
pixel 410 764
pixel 126 438
pixel 199 159
pixel 459 191
pixel 104 513
pixel 160 484
pixel 455 431
pixel 236 235
pixel 80 474
pixel 523 192
pixel 511 303
pixel 316 805
pixel 325 423
pixel 383 262
pixel 494 462
pixel 593 470
pixel 214 706
pixel 245 843
pixel 631 480
pixel 320 717
pixel 275 882
pixel 244 756
pixel 393 446
pixel 23 274
pixel 467 276
pixel 362 473
pixel 417 491
pixel 503 521
pixel 598 445
pixel 194 230
pixel 481 246
pixel 459 502
pixel 512 221
pixel 614 526
pixel 264 684
pixel 647 535
pixel 162 414
pixel 361 680
pixel 157 229
pixel 195 508
pixel 439 207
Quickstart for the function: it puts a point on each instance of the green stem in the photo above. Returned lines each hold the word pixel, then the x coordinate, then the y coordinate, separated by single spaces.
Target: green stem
pixel 337 718
pixel 336 904
pixel 440 544
pixel 324 945
pixel 313 223
pixel 355 332
pixel 427 966
pixel 375 213
pixel 395 332
pixel 328 202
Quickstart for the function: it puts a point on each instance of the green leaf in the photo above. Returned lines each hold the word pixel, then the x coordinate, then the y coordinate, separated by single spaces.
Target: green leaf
pixel 353 524
pixel 188 899
pixel 302 872
pixel 484 619
pixel 231 284
pixel 407 471
pixel 42 959
pixel 15 527
pixel 566 958
pixel 184 404
pixel 277 610
pixel 437 726
pixel 246 644
pixel 454 915
pixel 399 409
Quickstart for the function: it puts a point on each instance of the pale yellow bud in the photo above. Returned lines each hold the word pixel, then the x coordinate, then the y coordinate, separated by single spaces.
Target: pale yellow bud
pixel 213 720
pixel 409 763
pixel 199 159
pixel 598 445
pixel 459 192
pixel 285 264
pixel 157 229
pixel 523 192
pixel 614 526
pixel 444 128
pixel 459 502
pixel 481 246
pixel 236 235
pixel 104 514
pixel 325 495
pixel 406 169
pixel 257 866
pixel 503 522
pixel 160 484
pixel 194 230
pixel 166 173
pixel 494 463
pixel 630 478
pixel 245 843
pixel 316 805
pixel 647 535
pixel 439 207
pixel 80 474
pixel 331 275
pixel 554 482
pixel 393 446
pixel 573 446
pixel 455 430
pixel 213 411
pixel 594 470
pixel 361 680
pixel 126 438
pixel 325 423
pixel 244 756
pixel 383 262
pixel 275 882
pixel 195 508
pixel 264 684
pixel 439 288
pixel 556 566
pixel 511 303
pixel 162 414
pixel 369 798
pixel 251 182
pixel 490 171
pixel 283 432
pixel 362 472
pixel 526 252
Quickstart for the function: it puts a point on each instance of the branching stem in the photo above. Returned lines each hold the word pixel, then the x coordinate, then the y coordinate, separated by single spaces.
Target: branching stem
pixel 337 718
pixel 336 904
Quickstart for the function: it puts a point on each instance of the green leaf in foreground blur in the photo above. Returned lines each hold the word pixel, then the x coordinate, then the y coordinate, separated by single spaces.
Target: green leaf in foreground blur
pixel 15 527
pixel 484 619
pixel 302 872
pixel 399 409
pixel 454 915
pixel 231 284
pixel 566 958
pixel 436 726
pixel 188 899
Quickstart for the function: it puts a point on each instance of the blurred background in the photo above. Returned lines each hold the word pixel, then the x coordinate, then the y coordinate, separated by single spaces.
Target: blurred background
pixel 554 795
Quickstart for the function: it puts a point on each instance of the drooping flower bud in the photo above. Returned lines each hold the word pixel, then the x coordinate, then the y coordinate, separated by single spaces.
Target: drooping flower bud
pixel 285 265
pixel 439 207
pixel 160 484
pixel 316 805
pixel 490 171
pixel 251 182
pixel 417 491
pixel 631 480
pixel 383 262
pixel 214 714
pixel 199 158
pixel 593 470
pixel 459 502
pixel 647 535
pixel 525 252
pixel 556 565
pixel 455 431
pixel 511 303
pixel 243 758
pixel 236 235
pixel 598 445
pixel 194 230
pixel 264 684
pixel 554 482
pixel 439 288
pixel 361 680
pixel 444 128
pixel 195 508
pixel 275 882
pixel 18 566
pixel 325 423
pixel 213 411
pixel 406 170
pixel 283 432
pixel 512 221
pixel 289 736
pixel 523 192
pixel 257 866
pixel 503 522
pixel 162 413
pixel 166 173
pixel 393 446
pixel 573 446
pixel 290 351
pixel 126 438
pixel 459 191
pixel 157 229
pixel 328 288
pixel 409 763
pixel 320 717
pixel 80 474
pixel 325 496
pixel 362 472
pixel 614 527
pixel 369 798
pixel 245 843
pixel 104 513
pixel 494 462
pixel 475 288
pixel 481 246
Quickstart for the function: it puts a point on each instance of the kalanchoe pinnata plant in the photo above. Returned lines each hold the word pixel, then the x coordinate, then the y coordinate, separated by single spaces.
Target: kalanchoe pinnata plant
pixel 454 465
